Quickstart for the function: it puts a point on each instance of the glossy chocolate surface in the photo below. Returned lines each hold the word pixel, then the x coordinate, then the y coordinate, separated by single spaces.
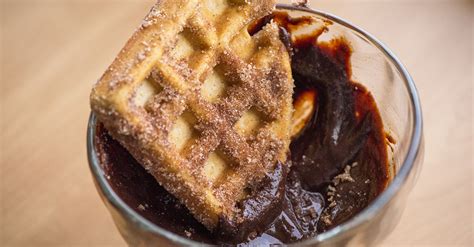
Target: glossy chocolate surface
pixel 337 164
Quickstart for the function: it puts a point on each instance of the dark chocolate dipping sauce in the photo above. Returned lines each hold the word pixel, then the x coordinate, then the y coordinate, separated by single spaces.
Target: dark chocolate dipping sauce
pixel 337 164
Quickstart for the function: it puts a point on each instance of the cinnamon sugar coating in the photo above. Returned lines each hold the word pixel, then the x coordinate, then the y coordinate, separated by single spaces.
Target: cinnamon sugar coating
pixel 201 104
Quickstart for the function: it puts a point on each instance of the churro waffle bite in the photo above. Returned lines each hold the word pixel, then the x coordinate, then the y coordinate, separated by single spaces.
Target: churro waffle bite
pixel 203 106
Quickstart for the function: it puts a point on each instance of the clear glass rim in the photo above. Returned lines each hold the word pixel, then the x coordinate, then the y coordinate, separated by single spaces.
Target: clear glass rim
pixel 357 221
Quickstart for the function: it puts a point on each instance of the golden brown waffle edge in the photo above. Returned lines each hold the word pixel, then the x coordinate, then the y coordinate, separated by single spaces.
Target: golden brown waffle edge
pixel 201 104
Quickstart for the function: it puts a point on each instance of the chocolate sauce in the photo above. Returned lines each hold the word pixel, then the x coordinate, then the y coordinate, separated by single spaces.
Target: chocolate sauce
pixel 337 164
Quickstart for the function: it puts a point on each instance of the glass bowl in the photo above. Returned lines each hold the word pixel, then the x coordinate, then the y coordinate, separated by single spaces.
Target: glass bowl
pixel 376 67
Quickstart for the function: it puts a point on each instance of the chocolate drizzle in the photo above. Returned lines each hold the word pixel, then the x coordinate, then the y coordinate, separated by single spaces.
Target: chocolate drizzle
pixel 337 165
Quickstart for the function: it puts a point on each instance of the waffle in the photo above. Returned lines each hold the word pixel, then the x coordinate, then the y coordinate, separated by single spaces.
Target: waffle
pixel 201 104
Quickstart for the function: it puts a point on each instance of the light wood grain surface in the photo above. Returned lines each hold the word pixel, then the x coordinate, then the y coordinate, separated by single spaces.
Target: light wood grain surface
pixel 52 51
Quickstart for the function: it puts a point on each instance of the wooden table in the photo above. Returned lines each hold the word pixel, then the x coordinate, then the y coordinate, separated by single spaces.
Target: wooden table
pixel 52 52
